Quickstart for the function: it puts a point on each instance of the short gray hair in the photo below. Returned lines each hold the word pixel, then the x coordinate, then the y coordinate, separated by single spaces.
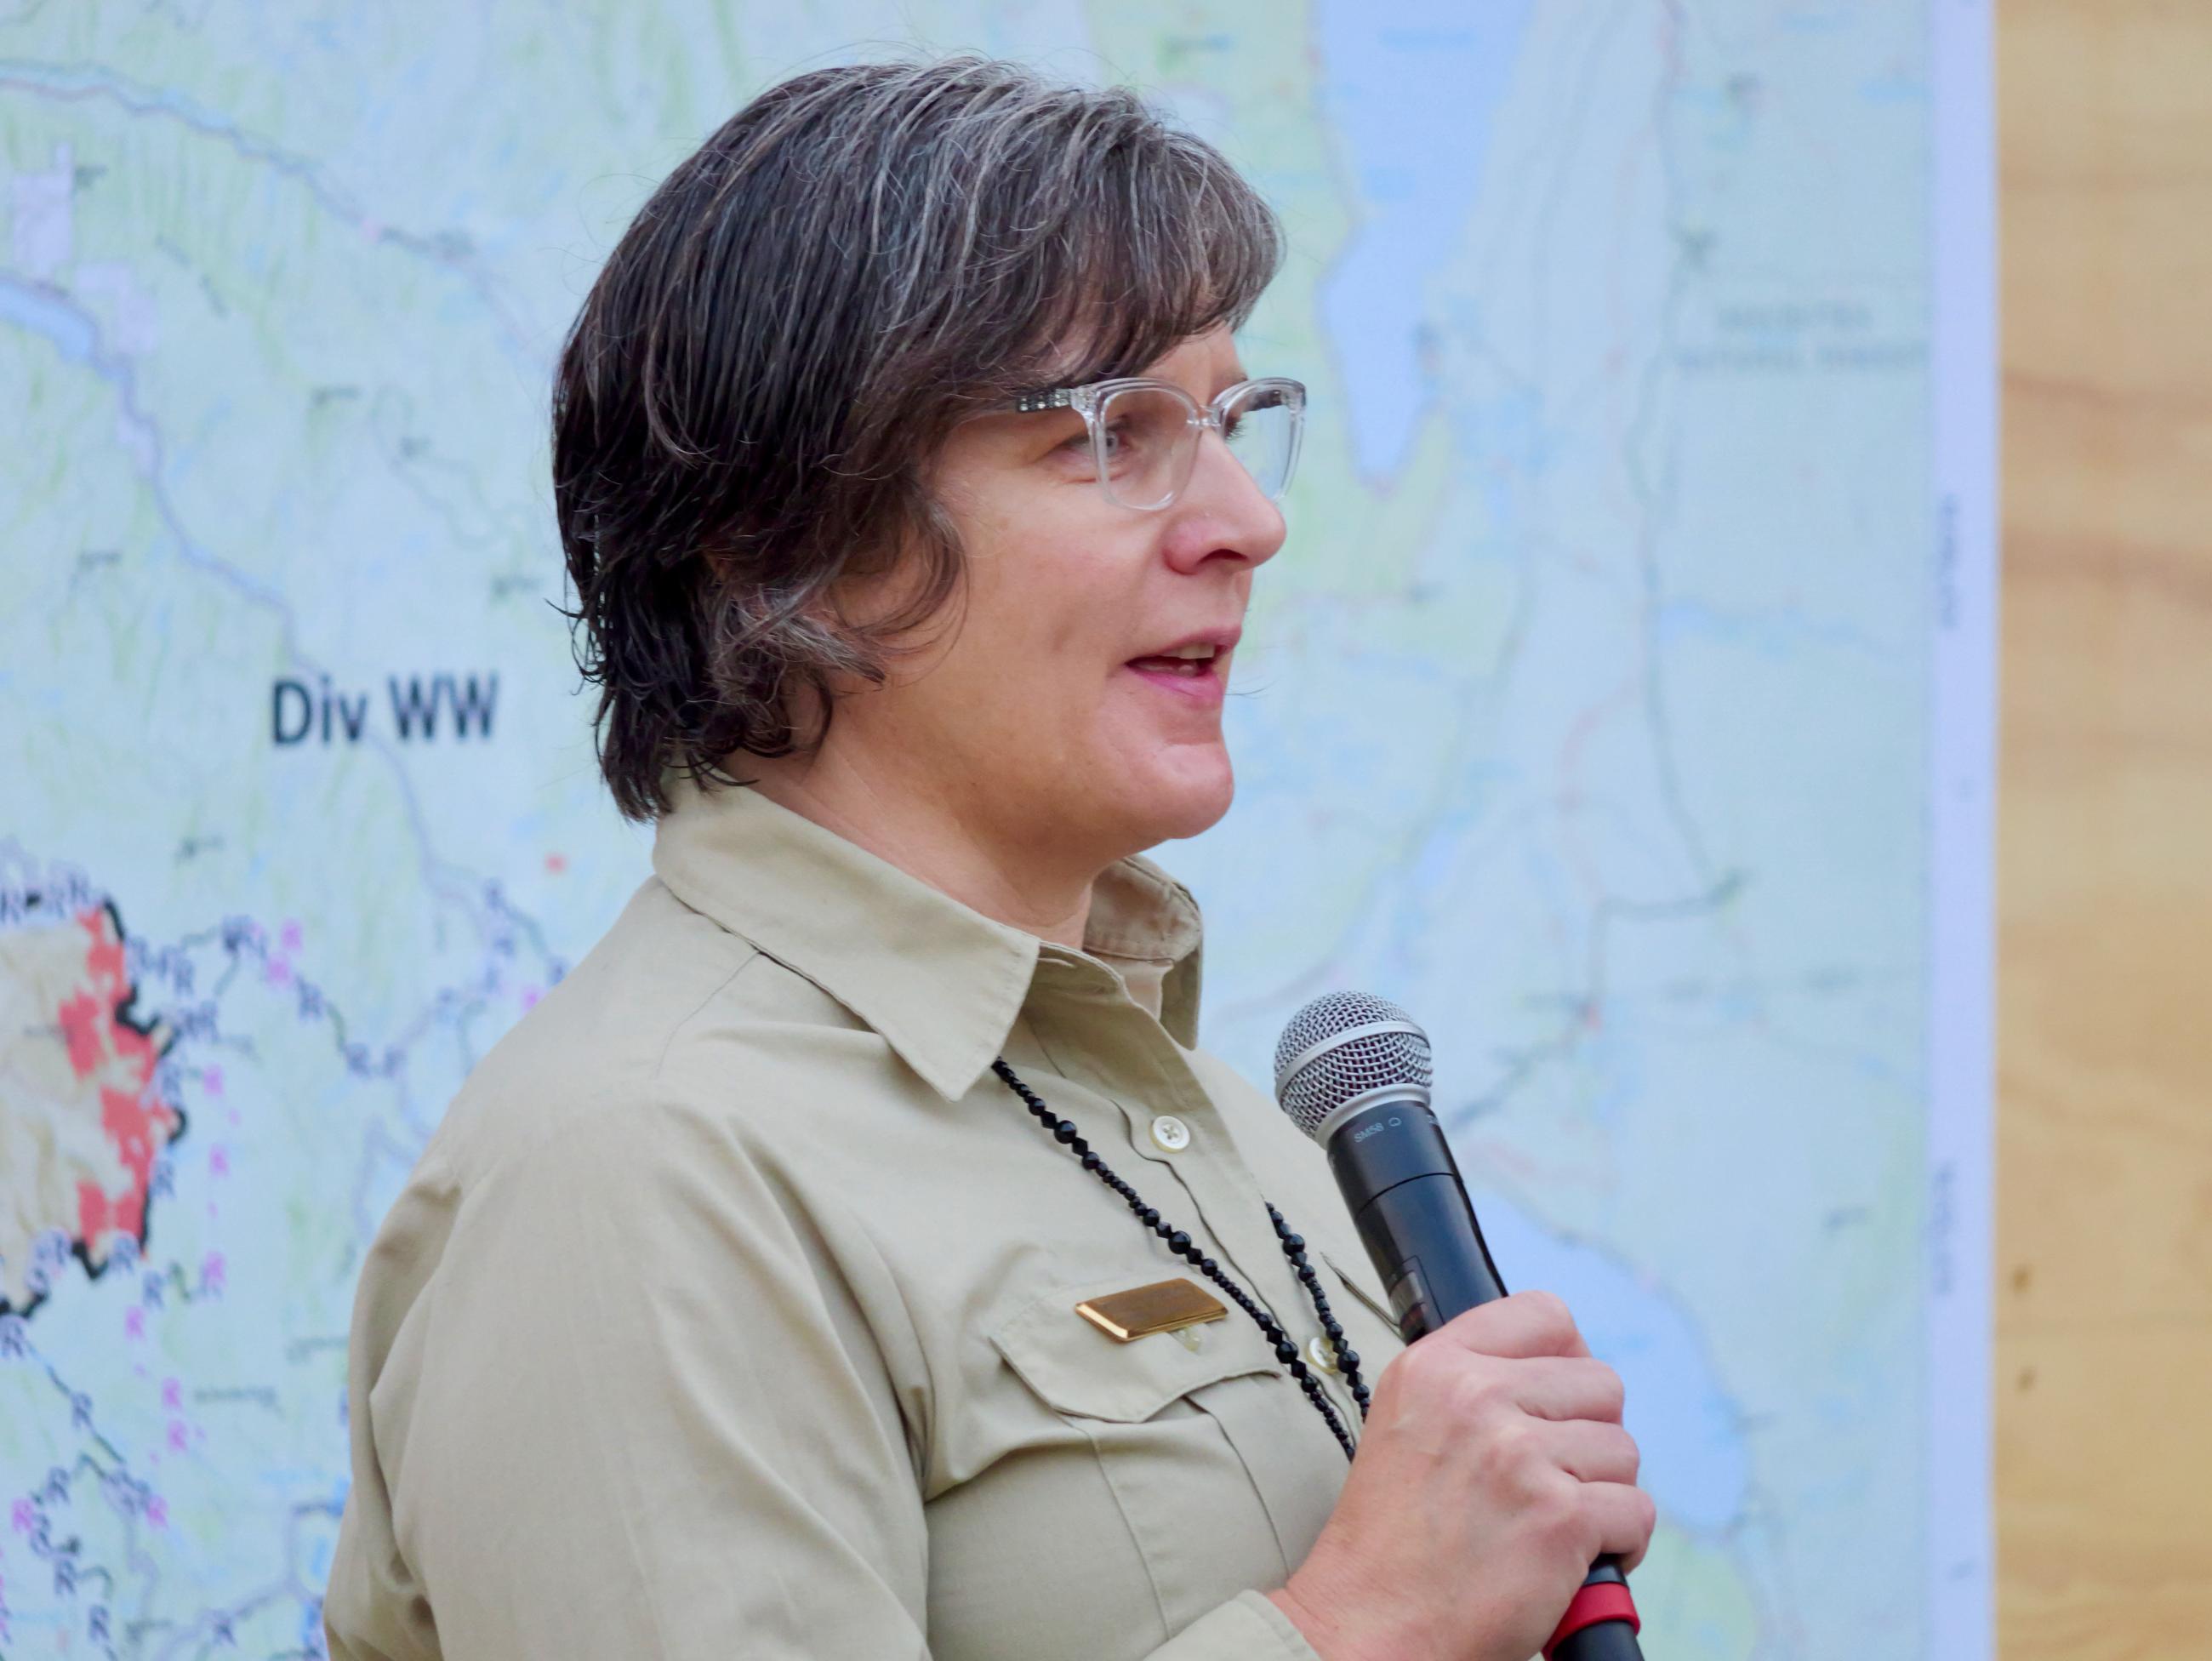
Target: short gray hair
pixel 747 406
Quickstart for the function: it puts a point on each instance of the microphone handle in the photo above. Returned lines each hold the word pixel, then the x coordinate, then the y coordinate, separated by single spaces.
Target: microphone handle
pixel 1411 1208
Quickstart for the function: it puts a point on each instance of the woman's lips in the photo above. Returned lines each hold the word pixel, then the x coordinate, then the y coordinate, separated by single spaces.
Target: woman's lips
pixel 1202 683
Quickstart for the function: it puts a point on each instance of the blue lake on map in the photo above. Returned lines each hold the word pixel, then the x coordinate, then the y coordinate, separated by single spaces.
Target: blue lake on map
pixel 1412 102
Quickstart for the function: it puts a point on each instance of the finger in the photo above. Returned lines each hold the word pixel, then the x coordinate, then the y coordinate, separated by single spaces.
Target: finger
pixel 1525 1323
pixel 1567 1387
pixel 1624 1517
pixel 1590 1451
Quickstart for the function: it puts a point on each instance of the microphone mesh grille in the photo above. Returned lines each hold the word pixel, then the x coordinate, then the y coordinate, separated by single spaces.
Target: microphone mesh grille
pixel 1361 1063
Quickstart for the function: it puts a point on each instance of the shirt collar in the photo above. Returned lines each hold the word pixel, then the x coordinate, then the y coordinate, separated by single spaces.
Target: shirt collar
pixel 940 981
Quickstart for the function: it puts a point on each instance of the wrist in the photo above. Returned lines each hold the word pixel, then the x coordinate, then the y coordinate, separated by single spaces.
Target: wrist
pixel 1324 1635
pixel 1309 1628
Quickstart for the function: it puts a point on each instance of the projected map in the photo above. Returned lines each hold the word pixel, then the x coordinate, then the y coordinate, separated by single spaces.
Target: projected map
pixel 1591 715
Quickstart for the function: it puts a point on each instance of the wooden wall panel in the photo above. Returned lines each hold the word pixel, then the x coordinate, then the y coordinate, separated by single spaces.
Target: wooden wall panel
pixel 2103 1369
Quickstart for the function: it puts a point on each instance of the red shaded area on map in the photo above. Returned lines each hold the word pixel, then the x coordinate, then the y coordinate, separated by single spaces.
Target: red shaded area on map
pixel 94 1116
pixel 102 1040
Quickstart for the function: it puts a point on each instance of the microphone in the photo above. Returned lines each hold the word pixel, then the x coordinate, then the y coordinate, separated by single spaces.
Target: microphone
pixel 1354 1073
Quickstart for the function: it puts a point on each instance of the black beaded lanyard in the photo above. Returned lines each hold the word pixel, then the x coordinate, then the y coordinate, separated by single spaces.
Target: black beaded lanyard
pixel 1294 1248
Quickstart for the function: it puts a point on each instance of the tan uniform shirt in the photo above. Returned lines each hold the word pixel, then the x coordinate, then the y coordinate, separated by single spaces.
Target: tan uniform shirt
pixel 730 1311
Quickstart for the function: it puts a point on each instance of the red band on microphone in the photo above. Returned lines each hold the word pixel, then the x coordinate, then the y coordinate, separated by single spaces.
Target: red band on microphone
pixel 1604 1601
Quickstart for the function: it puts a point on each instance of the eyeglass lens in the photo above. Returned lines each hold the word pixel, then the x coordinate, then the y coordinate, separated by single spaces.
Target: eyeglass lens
pixel 1148 442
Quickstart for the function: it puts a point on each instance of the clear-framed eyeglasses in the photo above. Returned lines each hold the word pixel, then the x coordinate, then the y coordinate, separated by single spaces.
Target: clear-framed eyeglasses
pixel 1145 434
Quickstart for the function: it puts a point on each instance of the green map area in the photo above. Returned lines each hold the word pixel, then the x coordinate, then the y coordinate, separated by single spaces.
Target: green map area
pixel 1586 715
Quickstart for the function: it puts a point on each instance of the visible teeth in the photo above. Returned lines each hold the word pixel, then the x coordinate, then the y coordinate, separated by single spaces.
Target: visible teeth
pixel 1199 653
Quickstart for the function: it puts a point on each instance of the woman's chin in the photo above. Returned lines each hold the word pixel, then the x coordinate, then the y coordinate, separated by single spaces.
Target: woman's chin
pixel 1185 796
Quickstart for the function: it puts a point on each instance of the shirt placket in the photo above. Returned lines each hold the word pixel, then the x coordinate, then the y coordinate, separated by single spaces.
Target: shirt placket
pixel 1096 1038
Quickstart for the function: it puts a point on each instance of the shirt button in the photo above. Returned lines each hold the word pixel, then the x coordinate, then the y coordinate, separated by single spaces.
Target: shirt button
pixel 1172 1133
pixel 1320 1354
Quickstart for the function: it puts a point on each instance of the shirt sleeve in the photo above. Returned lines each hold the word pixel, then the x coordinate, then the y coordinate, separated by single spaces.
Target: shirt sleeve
pixel 1247 1627
pixel 636 1411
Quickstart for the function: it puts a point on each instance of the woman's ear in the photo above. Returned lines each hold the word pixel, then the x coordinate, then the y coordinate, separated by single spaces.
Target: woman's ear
pixel 906 604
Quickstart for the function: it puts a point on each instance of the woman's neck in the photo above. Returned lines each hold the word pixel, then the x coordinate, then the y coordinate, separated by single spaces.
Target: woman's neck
pixel 924 834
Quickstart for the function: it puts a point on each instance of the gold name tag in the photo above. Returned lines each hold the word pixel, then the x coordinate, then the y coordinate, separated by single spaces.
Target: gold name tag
pixel 1161 1307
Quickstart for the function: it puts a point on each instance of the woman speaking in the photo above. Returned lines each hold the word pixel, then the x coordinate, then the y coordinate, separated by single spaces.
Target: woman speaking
pixel 853 1256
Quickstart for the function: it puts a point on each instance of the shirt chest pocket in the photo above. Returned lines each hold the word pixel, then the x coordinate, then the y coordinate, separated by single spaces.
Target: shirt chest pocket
pixel 1200 1456
pixel 1373 1328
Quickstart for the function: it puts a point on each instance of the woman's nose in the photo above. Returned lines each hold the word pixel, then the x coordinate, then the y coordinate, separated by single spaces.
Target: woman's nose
pixel 1223 512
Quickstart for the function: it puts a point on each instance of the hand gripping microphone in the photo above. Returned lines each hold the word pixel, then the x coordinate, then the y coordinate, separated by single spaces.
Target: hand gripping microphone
pixel 1354 1073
